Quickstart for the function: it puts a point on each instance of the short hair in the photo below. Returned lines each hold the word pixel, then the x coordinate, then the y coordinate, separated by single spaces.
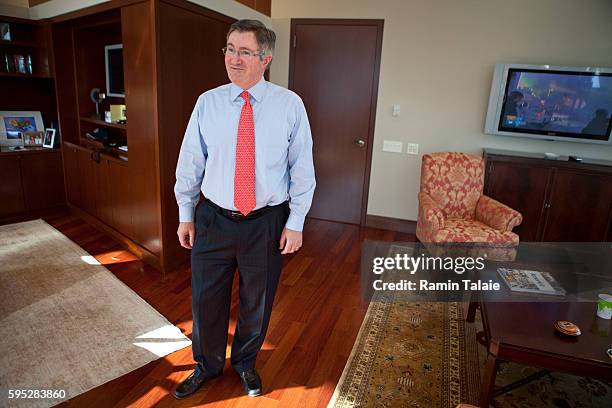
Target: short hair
pixel 265 37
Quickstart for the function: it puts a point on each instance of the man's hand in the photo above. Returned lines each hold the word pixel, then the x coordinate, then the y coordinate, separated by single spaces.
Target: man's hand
pixel 290 240
pixel 186 234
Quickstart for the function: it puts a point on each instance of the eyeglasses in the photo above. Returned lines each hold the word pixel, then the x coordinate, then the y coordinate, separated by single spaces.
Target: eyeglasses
pixel 243 53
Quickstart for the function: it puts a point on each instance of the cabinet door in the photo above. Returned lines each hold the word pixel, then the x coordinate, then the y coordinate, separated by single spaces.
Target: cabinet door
pixel 11 192
pixel 73 179
pixel 579 207
pixel 521 186
pixel 104 205
pixel 87 181
pixel 119 192
pixel 43 180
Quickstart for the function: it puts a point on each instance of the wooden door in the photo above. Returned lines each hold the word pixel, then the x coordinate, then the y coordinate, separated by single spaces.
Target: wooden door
pixel 522 187
pixel 87 181
pixel 334 67
pixel 11 191
pixel 71 173
pixel 43 181
pixel 579 208
pixel 104 205
pixel 119 193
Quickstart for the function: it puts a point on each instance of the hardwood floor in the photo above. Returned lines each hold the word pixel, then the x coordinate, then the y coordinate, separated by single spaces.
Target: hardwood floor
pixel 317 314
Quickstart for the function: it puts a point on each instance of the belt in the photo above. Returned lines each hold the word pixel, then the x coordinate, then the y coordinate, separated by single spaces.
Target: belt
pixel 237 215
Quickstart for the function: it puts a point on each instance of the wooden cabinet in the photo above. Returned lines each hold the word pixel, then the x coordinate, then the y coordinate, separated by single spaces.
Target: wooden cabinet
pixel 133 200
pixel 31 180
pixel 559 200
pixel 99 185
pixel 11 191
pixel 43 181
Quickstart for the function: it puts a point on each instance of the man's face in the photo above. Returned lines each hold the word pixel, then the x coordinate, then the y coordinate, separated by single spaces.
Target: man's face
pixel 245 71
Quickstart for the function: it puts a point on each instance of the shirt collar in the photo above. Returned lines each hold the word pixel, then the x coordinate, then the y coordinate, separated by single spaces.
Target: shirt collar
pixel 256 91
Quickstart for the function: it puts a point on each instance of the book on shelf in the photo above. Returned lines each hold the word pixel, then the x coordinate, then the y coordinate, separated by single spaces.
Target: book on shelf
pixel 526 281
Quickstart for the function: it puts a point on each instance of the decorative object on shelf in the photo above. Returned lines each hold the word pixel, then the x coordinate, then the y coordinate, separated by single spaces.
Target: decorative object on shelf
pixel 33 139
pixel 117 113
pixel 8 63
pixel 16 64
pixel 98 134
pixel 49 138
pixel 5 31
pixel 20 64
pixel 108 117
pixel 97 97
pixel 13 123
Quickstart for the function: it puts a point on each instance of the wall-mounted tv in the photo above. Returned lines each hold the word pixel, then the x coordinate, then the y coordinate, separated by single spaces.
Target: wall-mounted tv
pixel 551 103
pixel 113 57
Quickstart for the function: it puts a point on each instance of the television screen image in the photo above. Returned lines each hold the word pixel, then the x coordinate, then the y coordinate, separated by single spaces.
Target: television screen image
pixel 559 103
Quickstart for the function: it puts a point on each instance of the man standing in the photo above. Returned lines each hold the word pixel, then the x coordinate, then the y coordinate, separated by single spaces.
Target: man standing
pixel 248 148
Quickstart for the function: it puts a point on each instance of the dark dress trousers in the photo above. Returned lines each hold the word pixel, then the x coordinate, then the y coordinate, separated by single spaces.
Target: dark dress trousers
pixel 221 245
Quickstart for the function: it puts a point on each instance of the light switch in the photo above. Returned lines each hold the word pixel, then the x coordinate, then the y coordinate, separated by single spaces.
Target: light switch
pixel 413 148
pixel 396 110
pixel 392 146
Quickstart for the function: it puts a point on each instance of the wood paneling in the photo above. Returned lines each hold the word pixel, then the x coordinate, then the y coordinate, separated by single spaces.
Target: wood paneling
pixel 263 6
pixel 190 43
pixel 11 191
pixel 65 78
pixel 141 99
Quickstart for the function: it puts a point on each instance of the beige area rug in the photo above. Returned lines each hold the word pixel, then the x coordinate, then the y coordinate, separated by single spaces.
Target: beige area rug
pixel 67 323
pixel 423 354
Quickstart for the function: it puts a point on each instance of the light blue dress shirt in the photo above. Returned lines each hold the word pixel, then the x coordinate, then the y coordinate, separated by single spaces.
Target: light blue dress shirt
pixel 284 168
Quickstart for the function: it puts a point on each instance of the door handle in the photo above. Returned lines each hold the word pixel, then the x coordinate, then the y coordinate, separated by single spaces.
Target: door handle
pixel 360 142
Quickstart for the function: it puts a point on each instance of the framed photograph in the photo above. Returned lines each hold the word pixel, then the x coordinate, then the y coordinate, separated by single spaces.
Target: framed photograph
pixel 49 138
pixel 13 123
pixel 33 139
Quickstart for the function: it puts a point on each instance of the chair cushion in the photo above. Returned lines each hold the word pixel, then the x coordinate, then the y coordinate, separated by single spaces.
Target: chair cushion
pixel 466 230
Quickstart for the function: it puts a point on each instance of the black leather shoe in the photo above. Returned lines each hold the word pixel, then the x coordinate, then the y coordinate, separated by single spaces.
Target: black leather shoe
pixel 251 382
pixel 193 383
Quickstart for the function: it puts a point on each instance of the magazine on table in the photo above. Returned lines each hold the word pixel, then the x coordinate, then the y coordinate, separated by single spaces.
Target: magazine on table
pixel 522 280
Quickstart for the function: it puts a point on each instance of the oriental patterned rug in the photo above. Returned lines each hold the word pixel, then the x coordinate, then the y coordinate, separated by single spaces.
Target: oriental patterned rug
pixel 67 324
pixel 423 354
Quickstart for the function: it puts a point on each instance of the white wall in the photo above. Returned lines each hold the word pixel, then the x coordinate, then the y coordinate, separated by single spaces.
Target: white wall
pixel 437 63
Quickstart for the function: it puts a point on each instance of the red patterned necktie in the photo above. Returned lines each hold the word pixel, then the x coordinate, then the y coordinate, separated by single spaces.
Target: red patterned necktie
pixel 244 177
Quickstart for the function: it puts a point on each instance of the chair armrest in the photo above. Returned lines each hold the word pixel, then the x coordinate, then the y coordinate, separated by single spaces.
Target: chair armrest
pixel 430 215
pixel 497 215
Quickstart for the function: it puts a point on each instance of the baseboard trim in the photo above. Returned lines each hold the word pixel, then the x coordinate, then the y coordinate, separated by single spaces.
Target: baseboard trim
pixel 392 224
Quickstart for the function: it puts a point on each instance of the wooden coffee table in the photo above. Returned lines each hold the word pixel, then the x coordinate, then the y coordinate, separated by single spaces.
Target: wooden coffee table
pixel 522 332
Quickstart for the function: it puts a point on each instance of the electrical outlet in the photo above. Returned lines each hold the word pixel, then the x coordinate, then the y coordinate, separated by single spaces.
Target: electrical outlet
pixel 392 146
pixel 396 110
pixel 413 148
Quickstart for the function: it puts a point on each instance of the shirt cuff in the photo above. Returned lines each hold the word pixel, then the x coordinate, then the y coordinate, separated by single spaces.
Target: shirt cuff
pixel 295 222
pixel 186 213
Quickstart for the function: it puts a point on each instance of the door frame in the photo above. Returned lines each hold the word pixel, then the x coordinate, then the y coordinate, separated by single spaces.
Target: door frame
pixel 379 24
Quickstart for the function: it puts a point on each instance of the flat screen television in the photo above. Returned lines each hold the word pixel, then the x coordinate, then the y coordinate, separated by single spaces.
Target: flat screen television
pixel 551 103
pixel 113 57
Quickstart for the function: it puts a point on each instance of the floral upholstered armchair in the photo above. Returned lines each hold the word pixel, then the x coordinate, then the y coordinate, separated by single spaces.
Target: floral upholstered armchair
pixel 453 209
